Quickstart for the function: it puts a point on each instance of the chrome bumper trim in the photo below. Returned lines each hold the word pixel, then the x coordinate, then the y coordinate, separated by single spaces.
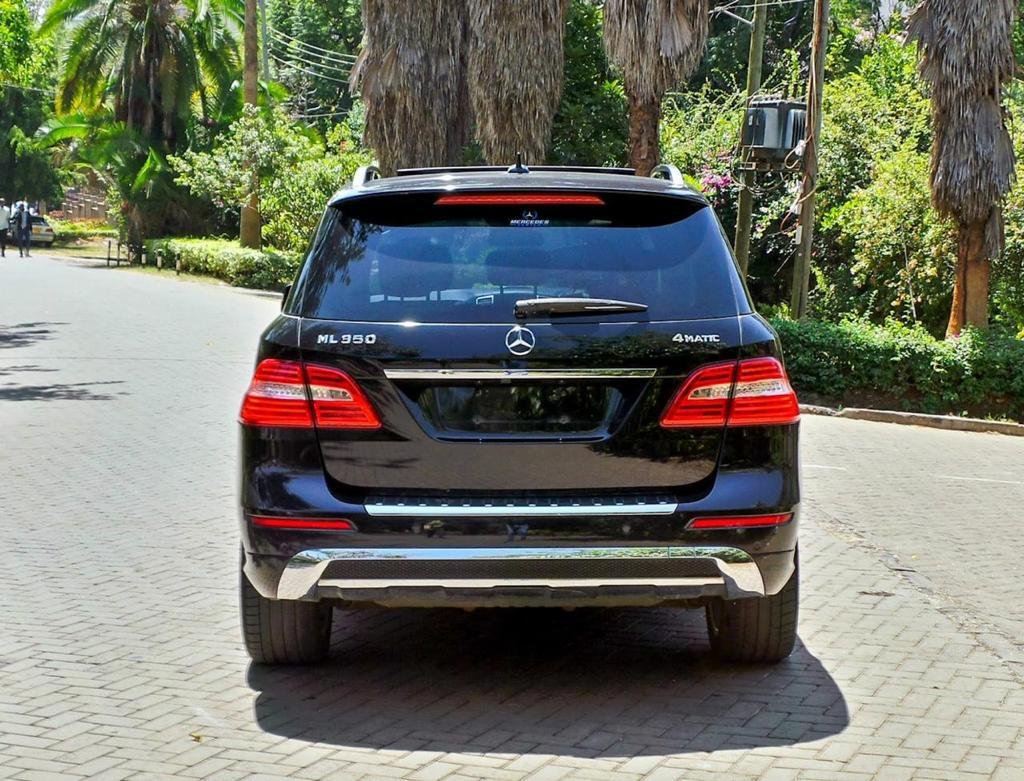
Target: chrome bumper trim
pixel 517 374
pixel 515 509
pixel 740 576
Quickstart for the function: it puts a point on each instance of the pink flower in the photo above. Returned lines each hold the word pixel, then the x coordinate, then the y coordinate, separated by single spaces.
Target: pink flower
pixel 713 183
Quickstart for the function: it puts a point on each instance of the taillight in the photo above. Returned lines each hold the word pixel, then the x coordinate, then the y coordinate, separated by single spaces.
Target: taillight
pixel 337 401
pixel 740 521
pixel 704 398
pixel 763 395
pixel 520 199
pixel 278 398
pixel 752 392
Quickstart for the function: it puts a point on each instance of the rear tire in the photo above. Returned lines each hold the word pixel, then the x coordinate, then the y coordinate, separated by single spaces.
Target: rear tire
pixel 761 629
pixel 284 631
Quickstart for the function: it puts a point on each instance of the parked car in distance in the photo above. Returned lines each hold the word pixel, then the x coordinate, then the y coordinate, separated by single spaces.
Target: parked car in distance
pixel 496 387
pixel 42 232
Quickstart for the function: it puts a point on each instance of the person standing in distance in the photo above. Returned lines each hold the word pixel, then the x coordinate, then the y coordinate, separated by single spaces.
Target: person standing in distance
pixel 5 224
pixel 23 227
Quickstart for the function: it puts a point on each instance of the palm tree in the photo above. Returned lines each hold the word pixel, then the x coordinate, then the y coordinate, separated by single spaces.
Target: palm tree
pixel 657 43
pixel 411 76
pixel 125 161
pixel 147 59
pixel 515 75
pixel 966 50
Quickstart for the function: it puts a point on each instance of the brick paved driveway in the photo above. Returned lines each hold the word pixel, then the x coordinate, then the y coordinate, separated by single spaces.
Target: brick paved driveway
pixel 119 649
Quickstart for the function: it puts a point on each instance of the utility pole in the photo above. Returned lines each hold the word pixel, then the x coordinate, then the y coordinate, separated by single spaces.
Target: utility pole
pixel 745 211
pixel 249 233
pixel 802 266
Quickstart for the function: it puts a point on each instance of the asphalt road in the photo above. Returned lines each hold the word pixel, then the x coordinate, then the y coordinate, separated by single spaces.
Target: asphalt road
pixel 119 647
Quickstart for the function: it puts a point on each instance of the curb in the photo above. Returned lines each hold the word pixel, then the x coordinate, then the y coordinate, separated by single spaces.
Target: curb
pixel 948 422
pixel 252 291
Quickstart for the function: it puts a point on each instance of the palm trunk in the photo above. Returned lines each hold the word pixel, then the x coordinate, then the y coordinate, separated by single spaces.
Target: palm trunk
pixel 250 74
pixel 644 117
pixel 970 287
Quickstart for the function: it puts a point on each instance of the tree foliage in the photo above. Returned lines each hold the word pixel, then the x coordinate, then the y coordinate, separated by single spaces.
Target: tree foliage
pixel 291 169
pixel 309 42
pixel 590 125
pixel 27 64
pixel 146 59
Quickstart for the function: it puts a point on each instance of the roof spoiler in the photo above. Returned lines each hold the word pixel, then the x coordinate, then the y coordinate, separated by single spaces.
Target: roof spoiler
pixel 368 173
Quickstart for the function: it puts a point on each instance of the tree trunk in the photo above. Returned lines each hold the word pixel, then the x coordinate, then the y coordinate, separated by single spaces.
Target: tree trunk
pixel 250 74
pixel 644 117
pixel 249 220
pixel 970 288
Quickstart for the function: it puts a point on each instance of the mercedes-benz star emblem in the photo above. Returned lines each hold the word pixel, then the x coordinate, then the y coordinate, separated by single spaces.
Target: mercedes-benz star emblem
pixel 520 341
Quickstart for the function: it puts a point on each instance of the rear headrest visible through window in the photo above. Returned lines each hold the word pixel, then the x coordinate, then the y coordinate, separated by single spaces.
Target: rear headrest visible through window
pixel 413 268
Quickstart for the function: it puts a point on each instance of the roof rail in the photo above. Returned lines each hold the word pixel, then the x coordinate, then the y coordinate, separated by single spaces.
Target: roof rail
pixel 364 174
pixel 668 171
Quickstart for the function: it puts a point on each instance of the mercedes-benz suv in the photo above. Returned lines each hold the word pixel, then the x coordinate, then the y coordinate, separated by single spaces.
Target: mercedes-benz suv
pixel 510 388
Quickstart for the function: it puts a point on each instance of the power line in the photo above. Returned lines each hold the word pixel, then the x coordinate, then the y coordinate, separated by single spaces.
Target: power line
pixel 11 85
pixel 325 77
pixel 293 56
pixel 320 115
pixel 298 41
pixel 765 4
pixel 295 46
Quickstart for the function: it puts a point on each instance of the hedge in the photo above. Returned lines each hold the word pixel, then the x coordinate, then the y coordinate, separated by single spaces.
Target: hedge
pixel 65 231
pixel 856 363
pixel 267 269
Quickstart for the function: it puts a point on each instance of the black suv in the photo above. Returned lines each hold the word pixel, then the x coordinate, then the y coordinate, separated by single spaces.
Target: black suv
pixel 512 387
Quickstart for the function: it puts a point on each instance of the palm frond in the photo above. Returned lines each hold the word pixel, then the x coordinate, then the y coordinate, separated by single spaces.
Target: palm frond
pixel 515 61
pixel 410 77
pixel 966 57
pixel 62 12
pixel 656 43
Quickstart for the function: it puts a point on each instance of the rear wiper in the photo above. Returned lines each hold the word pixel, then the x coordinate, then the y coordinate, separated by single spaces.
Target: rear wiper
pixel 530 307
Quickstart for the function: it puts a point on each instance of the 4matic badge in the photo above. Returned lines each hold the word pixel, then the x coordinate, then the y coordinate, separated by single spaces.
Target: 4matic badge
pixel 697 338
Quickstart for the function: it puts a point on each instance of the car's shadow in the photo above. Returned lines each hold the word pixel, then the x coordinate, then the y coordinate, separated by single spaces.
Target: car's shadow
pixel 589 683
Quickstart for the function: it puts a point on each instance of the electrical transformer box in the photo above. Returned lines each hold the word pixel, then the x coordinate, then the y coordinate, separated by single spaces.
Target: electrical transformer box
pixel 773 128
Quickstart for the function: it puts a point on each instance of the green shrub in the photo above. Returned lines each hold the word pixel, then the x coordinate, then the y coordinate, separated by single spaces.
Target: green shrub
pixel 294 200
pixel 72 230
pixel 223 259
pixel 859 364
pixel 898 256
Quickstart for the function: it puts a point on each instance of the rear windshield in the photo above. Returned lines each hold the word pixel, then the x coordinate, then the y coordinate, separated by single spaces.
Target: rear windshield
pixel 419 258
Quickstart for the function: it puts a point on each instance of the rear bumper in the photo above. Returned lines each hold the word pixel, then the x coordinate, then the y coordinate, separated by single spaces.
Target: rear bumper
pixel 454 576
pixel 558 575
